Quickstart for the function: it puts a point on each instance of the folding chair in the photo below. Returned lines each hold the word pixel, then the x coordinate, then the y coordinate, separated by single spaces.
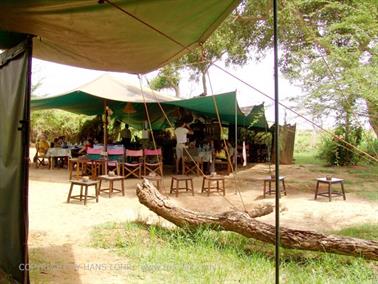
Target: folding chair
pixel 95 165
pixel 115 159
pixel 188 165
pixel 153 161
pixel 133 163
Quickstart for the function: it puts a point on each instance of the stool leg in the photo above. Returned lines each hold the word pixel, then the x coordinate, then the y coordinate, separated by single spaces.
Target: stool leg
pixel 283 186
pixel 110 188
pixel 203 185
pixel 270 187
pixel 123 187
pixel 99 187
pixel 86 193
pixel 208 187
pixel 191 183
pixel 171 189
pixel 69 193
pixel 342 188
pixel 329 192
pixel 70 169
pixel 96 192
pixel 316 190
pixel 264 188
pixel 81 192
pixel 177 187
pixel 224 188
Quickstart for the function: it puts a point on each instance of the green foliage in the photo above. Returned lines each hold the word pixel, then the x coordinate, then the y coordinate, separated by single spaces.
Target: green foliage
pixel 181 255
pixel 338 153
pixel 304 141
pixel 92 128
pixel 55 123
pixel 167 78
pixel 370 144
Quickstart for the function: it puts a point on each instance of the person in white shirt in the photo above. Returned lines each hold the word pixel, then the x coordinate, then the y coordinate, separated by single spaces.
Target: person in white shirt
pixel 181 133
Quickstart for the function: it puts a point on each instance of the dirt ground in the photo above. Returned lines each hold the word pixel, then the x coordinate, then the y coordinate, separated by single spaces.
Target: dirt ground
pixel 59 233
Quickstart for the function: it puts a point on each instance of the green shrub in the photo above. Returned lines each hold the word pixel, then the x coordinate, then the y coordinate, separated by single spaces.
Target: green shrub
pixel 369 144
pixel 336 152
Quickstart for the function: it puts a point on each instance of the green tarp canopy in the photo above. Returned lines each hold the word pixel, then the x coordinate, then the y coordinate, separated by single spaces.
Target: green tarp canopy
pixel 138 36
pixel 90 101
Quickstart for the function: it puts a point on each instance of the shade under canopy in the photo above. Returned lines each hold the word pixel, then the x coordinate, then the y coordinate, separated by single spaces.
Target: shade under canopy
pixel 87 34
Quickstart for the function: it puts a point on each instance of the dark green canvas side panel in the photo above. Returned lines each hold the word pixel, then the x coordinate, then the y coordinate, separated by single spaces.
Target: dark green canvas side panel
pixel 13 202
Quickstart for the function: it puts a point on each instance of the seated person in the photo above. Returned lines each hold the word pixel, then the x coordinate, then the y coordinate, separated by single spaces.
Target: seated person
pixel 41 147
pixel 87 144
pixel 219 151
pixel 42 144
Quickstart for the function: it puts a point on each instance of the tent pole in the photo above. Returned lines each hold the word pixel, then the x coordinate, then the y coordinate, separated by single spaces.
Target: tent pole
pixel 105 127
pixel 276 144
pixel 236 141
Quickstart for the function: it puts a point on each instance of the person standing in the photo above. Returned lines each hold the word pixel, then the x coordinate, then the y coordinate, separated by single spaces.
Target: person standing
pixel 181 133
pixel 126 136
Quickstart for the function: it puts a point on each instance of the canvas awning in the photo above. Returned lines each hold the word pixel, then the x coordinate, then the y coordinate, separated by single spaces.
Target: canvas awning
pixel 89 100
pixel 87 34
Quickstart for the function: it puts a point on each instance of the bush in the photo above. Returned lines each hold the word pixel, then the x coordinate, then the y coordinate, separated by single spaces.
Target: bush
pixel 339 153
pixel 370 144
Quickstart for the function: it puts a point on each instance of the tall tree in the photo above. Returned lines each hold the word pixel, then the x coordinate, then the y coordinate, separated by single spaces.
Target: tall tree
pixel 329 48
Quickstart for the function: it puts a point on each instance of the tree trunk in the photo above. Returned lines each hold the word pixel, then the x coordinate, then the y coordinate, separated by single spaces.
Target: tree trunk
pixel 177 90
pixel 244 224
pixel 203 73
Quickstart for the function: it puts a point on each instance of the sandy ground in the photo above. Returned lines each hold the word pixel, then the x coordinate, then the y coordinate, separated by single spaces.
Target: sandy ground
pixel 60 232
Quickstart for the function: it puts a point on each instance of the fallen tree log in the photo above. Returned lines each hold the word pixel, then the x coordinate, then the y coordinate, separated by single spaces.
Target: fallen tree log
pixel 244 224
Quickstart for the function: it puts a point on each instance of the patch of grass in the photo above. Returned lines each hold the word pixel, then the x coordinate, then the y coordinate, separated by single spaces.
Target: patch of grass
pixel 159 255
pixel 307 158
pixel 364 231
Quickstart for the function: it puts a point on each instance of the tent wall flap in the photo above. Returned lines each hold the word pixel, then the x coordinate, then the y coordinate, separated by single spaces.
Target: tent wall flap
pixel 14 72
pixel 87 34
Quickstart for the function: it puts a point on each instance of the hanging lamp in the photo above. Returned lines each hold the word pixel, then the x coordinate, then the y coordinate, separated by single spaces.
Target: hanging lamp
pixel 128 108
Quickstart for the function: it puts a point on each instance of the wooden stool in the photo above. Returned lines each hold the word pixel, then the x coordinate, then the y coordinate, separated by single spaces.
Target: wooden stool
pixel 269 180
pixel 209 179
pixel 177 179
pixel 85 195
pixel 158 179
pixel 111 180
pixel 329 192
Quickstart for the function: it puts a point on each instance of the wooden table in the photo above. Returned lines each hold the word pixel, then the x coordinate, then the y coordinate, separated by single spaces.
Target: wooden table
pixel 329 192
pixel 268 180
pixel 82 184
pixel 177 179
pixel 111 188
pixel 206 184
